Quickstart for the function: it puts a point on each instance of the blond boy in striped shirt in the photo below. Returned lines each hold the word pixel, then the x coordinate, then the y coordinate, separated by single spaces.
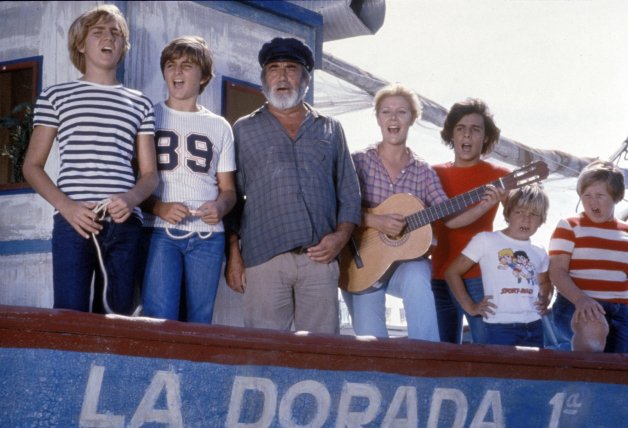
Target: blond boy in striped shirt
pixel 589 265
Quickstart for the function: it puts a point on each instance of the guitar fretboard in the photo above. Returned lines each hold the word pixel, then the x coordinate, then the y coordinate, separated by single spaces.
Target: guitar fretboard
pixel 450 206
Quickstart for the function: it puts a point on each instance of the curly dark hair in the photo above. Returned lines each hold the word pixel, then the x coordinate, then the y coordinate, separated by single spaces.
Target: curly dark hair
pixel 470 106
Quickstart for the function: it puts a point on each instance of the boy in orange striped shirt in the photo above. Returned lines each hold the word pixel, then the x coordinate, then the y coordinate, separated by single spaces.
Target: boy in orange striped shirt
pixel 589 265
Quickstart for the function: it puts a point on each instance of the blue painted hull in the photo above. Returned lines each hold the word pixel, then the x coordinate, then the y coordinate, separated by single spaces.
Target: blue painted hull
pixel 60 368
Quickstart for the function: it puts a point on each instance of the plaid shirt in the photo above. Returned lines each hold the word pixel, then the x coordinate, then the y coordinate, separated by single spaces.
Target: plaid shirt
pixel 418 178
pixel 295 192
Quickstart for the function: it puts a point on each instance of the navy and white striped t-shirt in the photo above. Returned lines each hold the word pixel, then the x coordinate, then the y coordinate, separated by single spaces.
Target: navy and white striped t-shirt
pixel 96 130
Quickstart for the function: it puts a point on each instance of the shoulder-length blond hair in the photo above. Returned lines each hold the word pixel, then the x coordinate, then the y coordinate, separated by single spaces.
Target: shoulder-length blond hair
pixel 81 25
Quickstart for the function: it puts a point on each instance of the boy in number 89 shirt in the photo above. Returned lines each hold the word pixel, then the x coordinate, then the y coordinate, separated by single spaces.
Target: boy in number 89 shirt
pixel 196 160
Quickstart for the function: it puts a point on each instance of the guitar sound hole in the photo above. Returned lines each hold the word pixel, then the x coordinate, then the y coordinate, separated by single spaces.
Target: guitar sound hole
pixel 394 241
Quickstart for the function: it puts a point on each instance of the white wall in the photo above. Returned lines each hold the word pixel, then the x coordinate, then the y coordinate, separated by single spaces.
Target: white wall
pixel 40 28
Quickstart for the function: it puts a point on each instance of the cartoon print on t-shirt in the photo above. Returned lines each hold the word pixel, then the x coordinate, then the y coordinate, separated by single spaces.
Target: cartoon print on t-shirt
pixel 519 263
pixel 505 258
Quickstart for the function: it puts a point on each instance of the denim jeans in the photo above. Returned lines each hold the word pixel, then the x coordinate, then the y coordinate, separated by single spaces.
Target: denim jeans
pixel 516 334
pixel 74 261
pixel 410 282
pixel 450 312
pixel 194 261
pixel 561 314
pixel 616 316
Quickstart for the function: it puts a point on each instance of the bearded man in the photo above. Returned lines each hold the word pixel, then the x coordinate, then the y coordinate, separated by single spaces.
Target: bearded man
pixel 299 201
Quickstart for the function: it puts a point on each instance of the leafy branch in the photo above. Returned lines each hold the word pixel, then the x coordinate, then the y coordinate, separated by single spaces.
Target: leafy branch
pixel 20 126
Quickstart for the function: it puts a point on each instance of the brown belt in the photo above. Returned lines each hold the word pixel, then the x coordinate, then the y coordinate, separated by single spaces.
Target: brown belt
pixel 299 250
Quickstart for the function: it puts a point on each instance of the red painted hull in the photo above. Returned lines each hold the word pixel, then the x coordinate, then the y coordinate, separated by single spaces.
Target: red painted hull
pixel 22 327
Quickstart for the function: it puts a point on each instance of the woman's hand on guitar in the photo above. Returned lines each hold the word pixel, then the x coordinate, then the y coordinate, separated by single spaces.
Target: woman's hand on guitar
pixel 391 224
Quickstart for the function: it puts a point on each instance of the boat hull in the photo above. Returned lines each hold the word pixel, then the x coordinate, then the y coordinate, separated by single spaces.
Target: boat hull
pixel 64 368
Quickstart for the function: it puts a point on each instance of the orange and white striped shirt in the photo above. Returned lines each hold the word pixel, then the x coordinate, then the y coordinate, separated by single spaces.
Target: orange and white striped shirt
pixel 599 256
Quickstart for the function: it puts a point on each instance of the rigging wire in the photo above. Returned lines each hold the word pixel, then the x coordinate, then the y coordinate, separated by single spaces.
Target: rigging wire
pixel 338 96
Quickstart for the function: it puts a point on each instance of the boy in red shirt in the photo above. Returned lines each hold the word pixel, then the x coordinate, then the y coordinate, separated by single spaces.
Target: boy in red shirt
pixel 470 131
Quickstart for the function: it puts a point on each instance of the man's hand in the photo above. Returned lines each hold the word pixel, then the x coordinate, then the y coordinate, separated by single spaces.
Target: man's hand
pixel 235 275
pixel 234 271
pixel 328 248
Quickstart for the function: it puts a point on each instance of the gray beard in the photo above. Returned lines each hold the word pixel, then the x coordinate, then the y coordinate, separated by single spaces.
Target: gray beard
pixel 286 101
pixel 283 102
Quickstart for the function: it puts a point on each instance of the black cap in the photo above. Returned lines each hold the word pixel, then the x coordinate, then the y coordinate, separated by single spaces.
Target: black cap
pixel 289 49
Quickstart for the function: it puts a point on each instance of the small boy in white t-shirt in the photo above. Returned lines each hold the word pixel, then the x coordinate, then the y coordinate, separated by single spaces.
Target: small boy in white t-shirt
pixel 514 272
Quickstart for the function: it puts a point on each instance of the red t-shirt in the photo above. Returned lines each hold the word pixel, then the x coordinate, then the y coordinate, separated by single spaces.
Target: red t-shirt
pixel 451 242
pixel 598 255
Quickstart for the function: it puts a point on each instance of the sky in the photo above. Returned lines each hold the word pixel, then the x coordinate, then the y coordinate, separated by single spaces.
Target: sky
pixel 553 72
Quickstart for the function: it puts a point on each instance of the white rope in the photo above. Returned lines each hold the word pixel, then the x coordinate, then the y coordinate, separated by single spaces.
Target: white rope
pixel 187 234
pixel 101 213
pixel 202 235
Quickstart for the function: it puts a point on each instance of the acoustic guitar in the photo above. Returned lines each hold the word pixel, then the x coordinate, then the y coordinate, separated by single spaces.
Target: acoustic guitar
pixel 371 254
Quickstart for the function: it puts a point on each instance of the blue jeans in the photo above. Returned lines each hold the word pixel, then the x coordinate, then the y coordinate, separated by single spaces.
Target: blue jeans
pixel 561 314
pixel 410 282
pixel 450 312
pixel 616 316
pixel 195 261
pixel 74 261
pixel 516 334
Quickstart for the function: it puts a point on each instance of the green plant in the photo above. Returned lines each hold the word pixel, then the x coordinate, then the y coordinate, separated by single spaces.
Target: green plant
pixel 20 126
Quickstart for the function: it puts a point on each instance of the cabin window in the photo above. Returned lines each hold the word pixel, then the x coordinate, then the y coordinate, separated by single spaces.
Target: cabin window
pixel 239 99
pixel 20 83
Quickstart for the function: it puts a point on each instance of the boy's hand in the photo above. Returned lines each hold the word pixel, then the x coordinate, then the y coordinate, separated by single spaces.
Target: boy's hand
pixel 211 212
pixel 491 197
pixel 81 217
pixel 484 307
pixel 171 212
pixel 542 304
pixel 588 310
pixel 120 207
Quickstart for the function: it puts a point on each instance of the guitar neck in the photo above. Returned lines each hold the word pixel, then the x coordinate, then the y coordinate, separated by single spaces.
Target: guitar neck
pixel 450 206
